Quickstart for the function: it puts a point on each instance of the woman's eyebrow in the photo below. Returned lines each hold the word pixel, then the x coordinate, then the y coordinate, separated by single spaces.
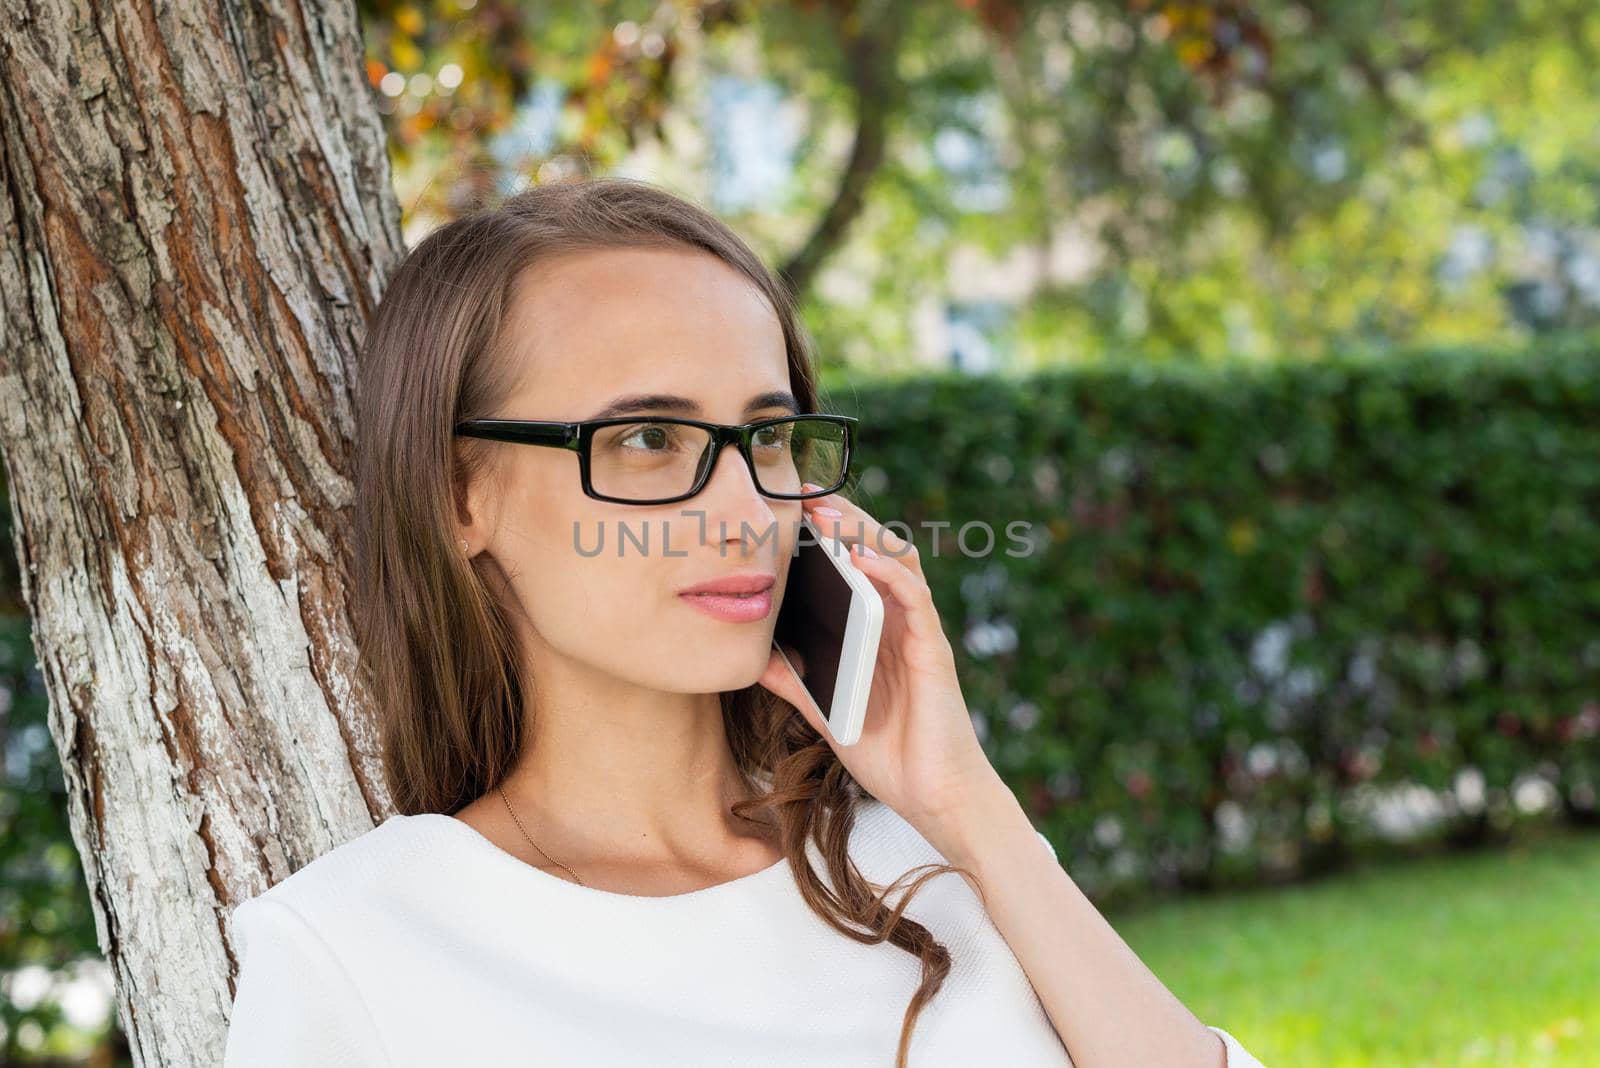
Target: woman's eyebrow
pixel 671 402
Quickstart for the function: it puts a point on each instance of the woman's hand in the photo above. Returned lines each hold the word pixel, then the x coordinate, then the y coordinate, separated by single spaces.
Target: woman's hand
pixel 918 752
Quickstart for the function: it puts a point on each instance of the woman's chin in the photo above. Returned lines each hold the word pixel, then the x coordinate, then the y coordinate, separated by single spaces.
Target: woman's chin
pixel 738 666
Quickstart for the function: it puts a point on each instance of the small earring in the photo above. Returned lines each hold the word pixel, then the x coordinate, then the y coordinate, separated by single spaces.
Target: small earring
pixel 464 547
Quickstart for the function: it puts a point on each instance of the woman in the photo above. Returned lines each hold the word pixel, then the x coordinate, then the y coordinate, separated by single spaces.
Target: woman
pixel 625 836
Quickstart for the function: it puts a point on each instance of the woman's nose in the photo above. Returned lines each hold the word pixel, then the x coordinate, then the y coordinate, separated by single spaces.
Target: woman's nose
pixel 731 496
pixel 732 475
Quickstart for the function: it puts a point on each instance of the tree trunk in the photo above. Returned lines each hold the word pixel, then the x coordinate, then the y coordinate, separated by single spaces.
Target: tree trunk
pixel 197 220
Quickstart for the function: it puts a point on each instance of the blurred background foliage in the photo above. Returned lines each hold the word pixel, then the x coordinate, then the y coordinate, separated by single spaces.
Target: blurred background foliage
pixel 1265 310
pixel 1066 181
pixel 1237 622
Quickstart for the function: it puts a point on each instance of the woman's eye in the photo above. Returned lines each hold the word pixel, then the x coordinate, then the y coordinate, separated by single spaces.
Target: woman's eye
pixel 649 438
pixel 772 436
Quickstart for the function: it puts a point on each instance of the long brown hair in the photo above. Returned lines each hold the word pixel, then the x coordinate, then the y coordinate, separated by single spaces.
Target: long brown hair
pixel 434 638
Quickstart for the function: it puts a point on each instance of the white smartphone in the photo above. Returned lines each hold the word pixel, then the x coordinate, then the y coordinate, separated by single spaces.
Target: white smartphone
pixel 832 616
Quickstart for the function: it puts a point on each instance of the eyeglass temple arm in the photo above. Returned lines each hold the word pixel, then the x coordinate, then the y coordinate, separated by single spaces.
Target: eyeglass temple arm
pixel 532 432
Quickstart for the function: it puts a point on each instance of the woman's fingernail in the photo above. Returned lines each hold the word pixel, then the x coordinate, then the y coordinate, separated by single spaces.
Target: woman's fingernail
pixel 864 549
pixel 810 487
pixel 823 509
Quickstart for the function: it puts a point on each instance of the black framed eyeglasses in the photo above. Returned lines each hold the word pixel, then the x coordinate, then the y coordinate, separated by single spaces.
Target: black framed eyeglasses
pixel 629 460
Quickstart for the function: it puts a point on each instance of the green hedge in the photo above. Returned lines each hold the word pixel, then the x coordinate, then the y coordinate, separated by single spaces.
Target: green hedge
pixel 1256 591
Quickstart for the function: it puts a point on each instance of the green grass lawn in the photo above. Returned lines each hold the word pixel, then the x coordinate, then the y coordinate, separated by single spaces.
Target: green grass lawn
pixel 1488 958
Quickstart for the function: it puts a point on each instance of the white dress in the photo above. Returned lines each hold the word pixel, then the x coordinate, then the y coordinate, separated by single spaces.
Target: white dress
pixel 421 942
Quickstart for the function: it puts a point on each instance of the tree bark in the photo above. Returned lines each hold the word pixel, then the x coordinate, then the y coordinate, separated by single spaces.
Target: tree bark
pixel 197 220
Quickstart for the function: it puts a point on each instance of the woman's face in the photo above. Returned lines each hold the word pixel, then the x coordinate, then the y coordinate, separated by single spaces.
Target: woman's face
pixel 591 328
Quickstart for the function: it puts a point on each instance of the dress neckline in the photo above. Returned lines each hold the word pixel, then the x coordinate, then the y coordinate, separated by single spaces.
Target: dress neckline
pixel 481 844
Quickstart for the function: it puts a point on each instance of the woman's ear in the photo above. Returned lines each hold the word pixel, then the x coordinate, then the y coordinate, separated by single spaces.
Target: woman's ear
pixel 473 500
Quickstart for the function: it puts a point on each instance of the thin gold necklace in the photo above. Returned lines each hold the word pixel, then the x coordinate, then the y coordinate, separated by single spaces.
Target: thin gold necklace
pixel 502 791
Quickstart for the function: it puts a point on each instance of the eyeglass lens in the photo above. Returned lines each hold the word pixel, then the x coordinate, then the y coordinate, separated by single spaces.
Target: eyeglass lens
pixel 653 460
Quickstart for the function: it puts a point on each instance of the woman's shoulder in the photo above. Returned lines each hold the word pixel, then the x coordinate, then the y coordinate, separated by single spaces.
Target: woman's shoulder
pixel 886 837
pixel 884 844
pixel 350 875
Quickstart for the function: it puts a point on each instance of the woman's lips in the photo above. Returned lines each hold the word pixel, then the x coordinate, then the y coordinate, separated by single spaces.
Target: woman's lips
pixel 732 608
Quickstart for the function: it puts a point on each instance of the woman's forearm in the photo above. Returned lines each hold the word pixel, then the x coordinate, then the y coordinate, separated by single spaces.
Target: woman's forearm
pixel 1108 1008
